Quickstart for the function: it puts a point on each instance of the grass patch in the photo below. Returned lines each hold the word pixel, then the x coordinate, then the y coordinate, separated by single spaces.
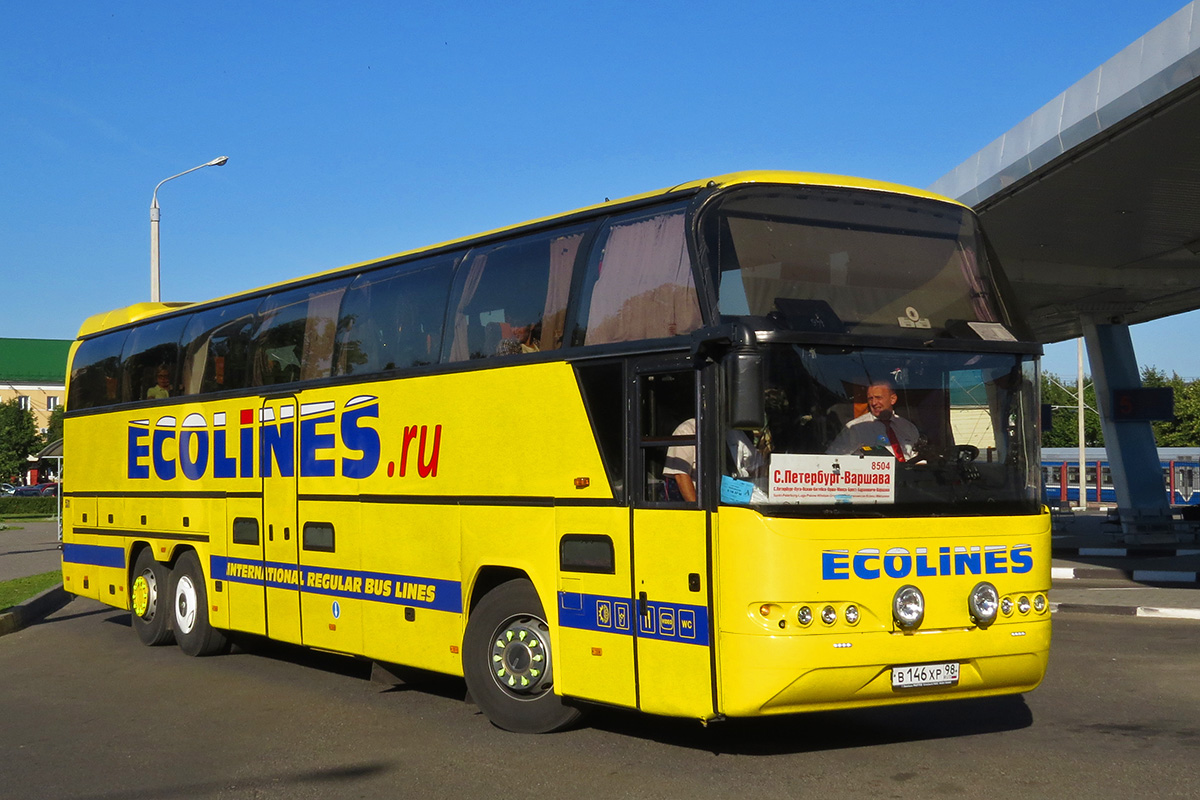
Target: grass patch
pixel 19 590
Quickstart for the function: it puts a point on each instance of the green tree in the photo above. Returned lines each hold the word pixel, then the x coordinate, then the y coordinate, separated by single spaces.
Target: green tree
pixel 1059 392
pixel 55 430
pixel 18 437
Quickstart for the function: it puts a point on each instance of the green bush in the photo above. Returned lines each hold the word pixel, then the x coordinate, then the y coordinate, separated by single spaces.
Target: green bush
pixel 28 506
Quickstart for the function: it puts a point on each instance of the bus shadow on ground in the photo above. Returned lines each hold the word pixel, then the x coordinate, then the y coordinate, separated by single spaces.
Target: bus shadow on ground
pixel 825 730
pixel 776 735
pixel 795 733
pixel 406 679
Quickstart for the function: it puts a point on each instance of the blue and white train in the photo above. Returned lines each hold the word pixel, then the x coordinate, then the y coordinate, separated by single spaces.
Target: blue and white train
pixel 1060 475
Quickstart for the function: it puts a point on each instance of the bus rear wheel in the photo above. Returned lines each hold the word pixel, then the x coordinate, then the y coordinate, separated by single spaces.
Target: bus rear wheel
pixel 508 665
pixel 149 608
pixel 189 601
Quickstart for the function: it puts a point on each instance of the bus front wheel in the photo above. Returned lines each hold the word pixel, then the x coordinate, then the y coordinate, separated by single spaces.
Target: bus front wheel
pixel 508 665
pixel 148 599
pixel 195 635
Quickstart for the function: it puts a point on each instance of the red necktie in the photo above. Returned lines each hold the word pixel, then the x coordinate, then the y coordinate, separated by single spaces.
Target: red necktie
pixel 894 441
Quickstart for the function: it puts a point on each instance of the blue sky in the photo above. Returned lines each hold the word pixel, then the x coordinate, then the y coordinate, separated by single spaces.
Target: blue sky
pixel 356 130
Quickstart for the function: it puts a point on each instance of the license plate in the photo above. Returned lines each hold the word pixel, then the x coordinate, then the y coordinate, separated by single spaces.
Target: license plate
pixel 917 675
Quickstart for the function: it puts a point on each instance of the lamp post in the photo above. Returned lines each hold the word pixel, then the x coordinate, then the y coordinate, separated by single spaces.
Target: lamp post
pixel 154 215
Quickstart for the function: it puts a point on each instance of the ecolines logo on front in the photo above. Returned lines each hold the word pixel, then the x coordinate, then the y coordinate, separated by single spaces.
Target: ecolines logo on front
pixel 898 562
pixel 263 443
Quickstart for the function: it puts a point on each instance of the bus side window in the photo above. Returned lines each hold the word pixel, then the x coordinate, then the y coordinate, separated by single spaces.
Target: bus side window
pixel 152 351
pixel 294 339
pixel 667 435
pixel 96 372
pixel 216 347
pixel 603 389
pixel 639 282
pixel 392 318
pixel 511 298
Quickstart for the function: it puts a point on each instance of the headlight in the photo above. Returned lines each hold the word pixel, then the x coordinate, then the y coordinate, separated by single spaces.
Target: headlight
pixel 851 615
pixel 1039 603
pixel 908 607
pixel 1006 606
pixel 1023 604
pixel 984 602
pixel 804 615
pixel 829 615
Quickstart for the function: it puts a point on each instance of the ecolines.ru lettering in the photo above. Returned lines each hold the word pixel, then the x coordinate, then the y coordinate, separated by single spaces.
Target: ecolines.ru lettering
pixel 263 444
pixel 870 564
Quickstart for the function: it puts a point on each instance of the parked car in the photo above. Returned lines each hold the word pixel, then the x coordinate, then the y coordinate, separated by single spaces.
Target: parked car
pixel 47 489
pixel 6 489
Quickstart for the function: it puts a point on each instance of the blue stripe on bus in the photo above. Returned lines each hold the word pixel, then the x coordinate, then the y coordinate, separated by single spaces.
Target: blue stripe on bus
pixel 668 622
pixel 406 590
pixel 95 555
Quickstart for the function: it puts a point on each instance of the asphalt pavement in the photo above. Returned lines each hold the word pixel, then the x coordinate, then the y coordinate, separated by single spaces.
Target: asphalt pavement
pixel 1095 572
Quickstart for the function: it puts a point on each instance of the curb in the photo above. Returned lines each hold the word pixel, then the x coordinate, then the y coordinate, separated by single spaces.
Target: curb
pixel 1118 551
pixel 1151 612
pixel 1116 573
pixel 34 609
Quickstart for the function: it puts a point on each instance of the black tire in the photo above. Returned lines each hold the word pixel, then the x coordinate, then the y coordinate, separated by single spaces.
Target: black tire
pixel 150 608
pixel 508 664
pixel 189 606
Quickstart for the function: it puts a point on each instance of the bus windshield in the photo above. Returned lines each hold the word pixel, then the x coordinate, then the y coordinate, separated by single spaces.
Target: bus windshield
pixel 876 431
pixel 830 260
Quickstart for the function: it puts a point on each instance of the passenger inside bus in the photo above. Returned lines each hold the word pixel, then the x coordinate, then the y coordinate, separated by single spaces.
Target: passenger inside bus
pixel 679 471
pixel 520 339
pixel 879 428
pixel 162 388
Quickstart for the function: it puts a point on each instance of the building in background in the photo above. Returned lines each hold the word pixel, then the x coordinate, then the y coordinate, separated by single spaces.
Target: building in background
pixel 35 372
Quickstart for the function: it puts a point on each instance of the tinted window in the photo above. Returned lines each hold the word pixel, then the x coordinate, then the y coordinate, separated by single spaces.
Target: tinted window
pixel 319 536
pixel 216 348
pixel 245 531
pixel 847 260
pixel 150 365
pixel 392 318
pixel 511 298
pixel 639 281
pixel 294 338
pixel 96 372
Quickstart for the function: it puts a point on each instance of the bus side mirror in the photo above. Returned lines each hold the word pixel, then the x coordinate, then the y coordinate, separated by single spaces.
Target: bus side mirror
pixel 737 348
pixel 747 406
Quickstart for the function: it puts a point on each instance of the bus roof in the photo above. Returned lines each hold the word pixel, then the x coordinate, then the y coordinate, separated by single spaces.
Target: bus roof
pixel 139 311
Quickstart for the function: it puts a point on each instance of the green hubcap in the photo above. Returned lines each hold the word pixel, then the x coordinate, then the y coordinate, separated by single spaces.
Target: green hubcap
pixel 520 656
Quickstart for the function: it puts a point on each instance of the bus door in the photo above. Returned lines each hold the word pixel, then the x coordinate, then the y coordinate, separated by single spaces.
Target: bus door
pixel 281 549
pixel 671 592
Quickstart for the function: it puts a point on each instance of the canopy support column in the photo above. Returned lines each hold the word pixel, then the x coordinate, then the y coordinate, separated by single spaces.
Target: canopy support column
pixel 1132 453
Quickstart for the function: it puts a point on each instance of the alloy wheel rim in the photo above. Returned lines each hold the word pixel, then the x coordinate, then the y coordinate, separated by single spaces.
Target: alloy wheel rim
pixel 519 660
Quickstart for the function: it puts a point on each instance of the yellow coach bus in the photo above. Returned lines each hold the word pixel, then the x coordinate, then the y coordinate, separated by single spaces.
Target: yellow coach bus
pixel 753 445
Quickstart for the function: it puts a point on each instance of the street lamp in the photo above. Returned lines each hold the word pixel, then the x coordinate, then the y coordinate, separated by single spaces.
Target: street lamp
pixel 154 293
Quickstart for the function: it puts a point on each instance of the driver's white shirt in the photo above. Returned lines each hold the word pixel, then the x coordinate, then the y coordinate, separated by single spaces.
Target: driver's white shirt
pixel 868 430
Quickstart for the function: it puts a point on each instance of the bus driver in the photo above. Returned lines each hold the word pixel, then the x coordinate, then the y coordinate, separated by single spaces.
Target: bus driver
pixel 879 427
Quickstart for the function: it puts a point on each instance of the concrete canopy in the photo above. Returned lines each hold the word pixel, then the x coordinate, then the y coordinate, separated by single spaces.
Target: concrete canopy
pixel 1093 202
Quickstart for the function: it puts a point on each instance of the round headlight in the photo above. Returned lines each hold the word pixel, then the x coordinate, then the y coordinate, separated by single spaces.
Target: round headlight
pixel 1023 605
pixel 984 602
pixel 804 615
pixel 1006 606
pixel 829 615
pixel 1039 603
pixel 908 607
pixel 851 614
